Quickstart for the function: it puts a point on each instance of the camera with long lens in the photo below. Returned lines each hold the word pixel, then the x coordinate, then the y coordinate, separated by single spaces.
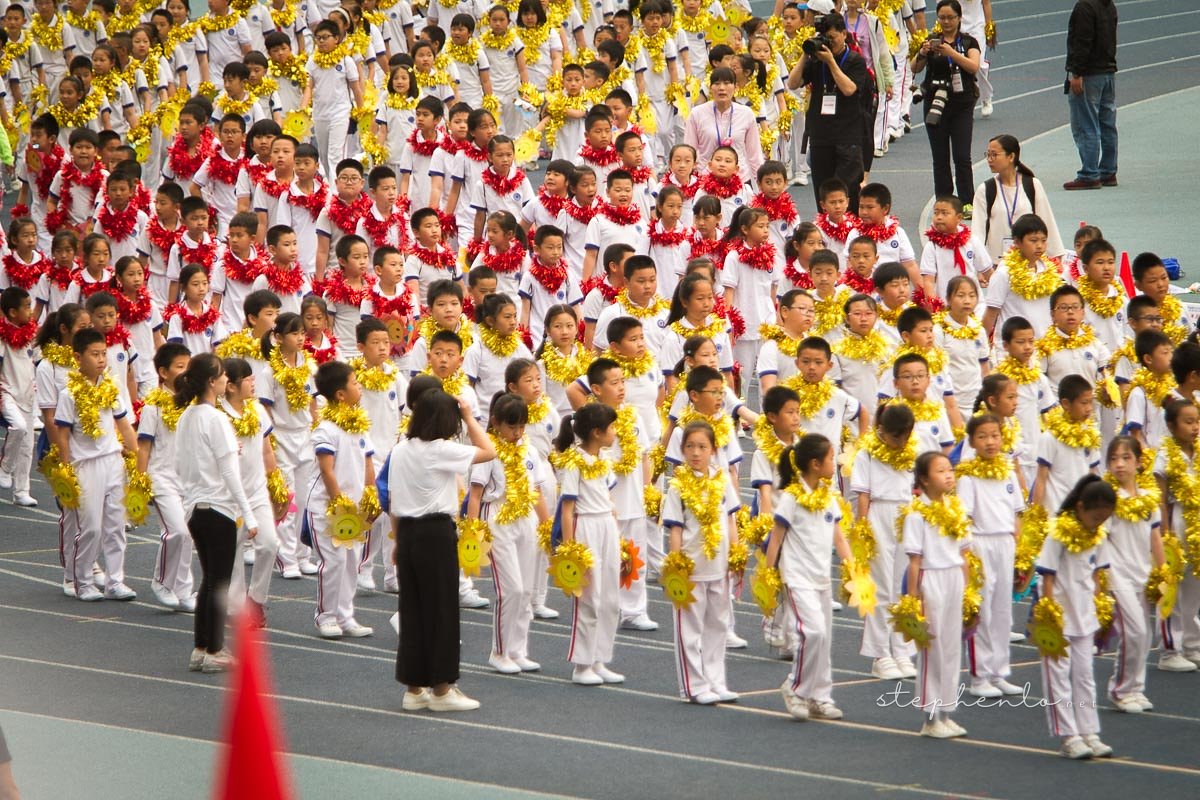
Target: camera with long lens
pixel 937 106
pixel 813 44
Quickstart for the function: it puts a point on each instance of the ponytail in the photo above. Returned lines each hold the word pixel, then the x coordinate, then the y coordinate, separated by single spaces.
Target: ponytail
pixel 190 385
pixel 1091 492
pixel 684 291
pixel 51 331
pixel 285 323
pixel 795 460
pixel 993 384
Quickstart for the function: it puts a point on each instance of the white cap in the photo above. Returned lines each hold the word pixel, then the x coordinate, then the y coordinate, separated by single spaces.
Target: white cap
pixel 819 7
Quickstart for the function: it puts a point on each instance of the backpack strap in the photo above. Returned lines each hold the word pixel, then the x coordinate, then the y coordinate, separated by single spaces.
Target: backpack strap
pixel 989 193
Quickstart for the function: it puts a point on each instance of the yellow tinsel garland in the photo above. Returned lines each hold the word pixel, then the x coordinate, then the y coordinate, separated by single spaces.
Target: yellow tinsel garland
pixel 1102 303
pixel 1021 373
pixel 703 496
pixel 574 459
pixel 292 379
pixel 753 531
pixel 1069 531
pixel 813 396
pixel 494 41
pixel 90 399
pixel 452 385
pixel 1053 341
pixel 1073 434
pixel 970 330
pixel 997 468
pixel 372 379
pixel 48 36
pixel 164 401
pixel 908 620
pixel 787 345
pixel 1034 524
pixel 869 348
pixel 811 500
pixel 656 307
pixel 766 441
pixel 295 69
pixel 60 355
pixel 1046 628
pixel 721 423
pixel 1156 387
pixel 534 38
pixel 923 410
pixel 351 419
pixel 520 496
pixel 500 345
pixel 1172 313
pixel 277 487
pixel 1139 507
pixel 1025 282
pixel 632 367
pixel 935 357
pixel 626 428
pixel 715 327
pixel 1185 489
pixel 564 370
pixel 830 312
pixel 902 460
pixel 948 516
pixel 247 425
pixel 972 589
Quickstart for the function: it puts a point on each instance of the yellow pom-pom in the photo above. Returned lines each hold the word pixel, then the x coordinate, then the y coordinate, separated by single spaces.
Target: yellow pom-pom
pixel 369 506
pixel 544 531
pixel 277 488
pixel 138 495
pixel 346 526
pixel 569 567
pixel 62 479
pixel 858 588
pixel 739 557
pixel 652 502
pixel 1046 629
pixel 973 590
pixel 297 123
pixel 676 579
pixel 908 620
pixel 765 586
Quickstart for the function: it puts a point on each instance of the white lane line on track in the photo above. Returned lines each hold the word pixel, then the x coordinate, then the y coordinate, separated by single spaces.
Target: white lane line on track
pixel 304 756
pixel 1060 57
pixel 1125 23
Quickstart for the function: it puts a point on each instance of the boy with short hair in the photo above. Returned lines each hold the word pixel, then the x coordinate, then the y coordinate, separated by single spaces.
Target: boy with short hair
pixel 1143 314
pixel 630 149
pixel 597 151
pixel 158 237
pixel 1025 279
pixel 195 245
pixel 103 311
pixel 118 218
pixel 830 307
pixel 445 363
pixel 895 292
pixel 639 299
pixel 876 221
pixel 236 269
pixel 193 143
pixel 282 274
pixel 236 98
pixel 429 259
pixel 268 198
pixel 860 258
pixel 343 480
pixel 481 281
pixel 445 314
pixel 773 198
pixel 824 408
pixel 603 293
pixel 389 300
pixel 1069 447
pixel 345 289
pixel 43 158
pixel 1153 382
pixel 217 179
pixel 303 203
pixel 1034 394
pixel 1071 347
pixel 341 214
pixel 835 221
pixel 18 329
pixel 384 223
pixel 917 336
pixel 93 448
pixel 332 85
pixel 951 250
pixel 414 161
pixel 1151 278
pixel 260 309
pixel 72 196
pixel 619 222
pixel 547 282
pixel 287 69
pixel 910 373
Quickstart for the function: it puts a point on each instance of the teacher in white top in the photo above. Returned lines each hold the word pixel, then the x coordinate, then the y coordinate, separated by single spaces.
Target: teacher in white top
pixel 724 123
pixel 1012 193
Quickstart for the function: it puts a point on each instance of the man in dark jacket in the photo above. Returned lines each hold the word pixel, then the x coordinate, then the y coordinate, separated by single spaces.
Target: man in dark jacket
pixel 1091 87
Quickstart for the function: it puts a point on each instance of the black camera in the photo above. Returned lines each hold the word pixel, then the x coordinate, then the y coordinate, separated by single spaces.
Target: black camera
pixel 813 45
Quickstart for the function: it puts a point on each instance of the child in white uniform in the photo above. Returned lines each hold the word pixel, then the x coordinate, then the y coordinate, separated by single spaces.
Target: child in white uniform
pixel 17 389
pixel 701 626
pixel 1071 555
pixel 807 529
pixel 498 343
pixel 588 516
pixel 1174 466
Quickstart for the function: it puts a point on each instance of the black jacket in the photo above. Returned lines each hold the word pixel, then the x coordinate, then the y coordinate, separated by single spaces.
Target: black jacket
pixel 1092 38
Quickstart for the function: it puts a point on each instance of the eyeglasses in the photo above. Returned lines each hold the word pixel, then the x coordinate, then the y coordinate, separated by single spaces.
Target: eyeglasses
pixel 350 178
pixel 1151 320
pixel 907 377
pixel 713 392
pixel 1070 307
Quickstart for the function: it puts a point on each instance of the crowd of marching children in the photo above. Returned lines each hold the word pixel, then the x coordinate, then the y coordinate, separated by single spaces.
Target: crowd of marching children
pixel 431 365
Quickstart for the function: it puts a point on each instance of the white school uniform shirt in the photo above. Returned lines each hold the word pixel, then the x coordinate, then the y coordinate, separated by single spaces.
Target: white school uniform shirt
pixel 964 356
pixel 119 248
pixel 841 409
pixel 641 393
pixel 331 89
pixel 898 247
pixel 350 452
pixel 540 436
pixel 1128 549
pixel 156 257
pixel 398 19
pixel 591 495
pixel 508 283
pixel 218 194
pixel 992 505
pixel 1109 330
pixel 574 240
pixel 602 232
pixel 84 447
pixel 141 341
pixel 675 514
pixel 535 213
pixel 773 362
pixel 1010 304
pixel 288 301
pixel 628 496
pixel 250 451
pixel 418 169
pixel 670 259
pixel 541 299
pixel 83 201
pixel 225 47
pixel 1141 414
pixel 595 303
pixel 303 222
pixel 503 64
pixel 485 369
pixel 539 69
pixel 484 198
pixel 470 78
pixel 1074 583
pixel 17 374
pixel 729 205
pixel 1086 361
pixel 672 348
pixel 233 292
pixel 468 173
pixel 80 42
pixel 925 540
pixel 267 203
pixel 490 476
pixel 654 328
pixel 50 380
pixel 805 557
pixel 1066 466
pixel 161 465
pixel 384 409
pixel 1033 400
pixel 883 483
pixel 764 473
pixel 272 395
pixel 859 379
pixel 204 341
pixel 939 263
pixel 753 290
pixel 728 456
pixel 204 442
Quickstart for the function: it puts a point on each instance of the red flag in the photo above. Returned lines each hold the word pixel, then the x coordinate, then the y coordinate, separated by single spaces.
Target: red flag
pixel 1126 275
pixel 250 765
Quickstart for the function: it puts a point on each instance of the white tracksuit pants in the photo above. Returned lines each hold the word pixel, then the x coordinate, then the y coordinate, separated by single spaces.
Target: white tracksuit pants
pixel 902 96
pixel 266 546
pixel 379 540
pixel 633 600
pixel 16 457
pixel 988 649
pixel 337 574
pixel 811 677
pixel 1181 630
pixel 100 521
pixel 294 454
pixel 329 136
pixel 879 640
pixel 1070 690
pixel 1132 620
pixel 173 568
pixel 937 667
pixel 597 613
pixel 514 562
pixel 700 631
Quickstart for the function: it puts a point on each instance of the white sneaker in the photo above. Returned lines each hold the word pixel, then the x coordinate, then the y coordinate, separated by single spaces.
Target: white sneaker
pixel 1145 701
pixel 726 696
pixel 24 500
pixel 196 660
pixel 953 727
pixel 188 604
pixel 1174 661
pixel 639 623
pixel 290 574
pixel 69 588
pixel 120 592
pixel 984 688
pixel 606 674
pixel 1015 636
pixel 472 599
pixel 1192 656
pixel 329 630
pixel 1075 748
pixel 90 594
pixel 735 642
pixel 1128 704
pixel 248 555
pixel 217 662
pixel 823 709
pixel 544 612
pixel 880 152
pixel 164 595
pixel 907 668
pixel 392 586
pixel 6 481
pixel 585 676
pixel 453 700
pixel 417 701
pixel 706 699
pixel 795 705
pixel 356 631
pixel 836 606
pixel 503 664
pixel 365 582
pixel 527 664
pixel 803 178
pixel 98 577
pixel 308 568
pixel 886 669
pixel 986 109
pixel 1010 689
pixel 1099 749
pixel 935 729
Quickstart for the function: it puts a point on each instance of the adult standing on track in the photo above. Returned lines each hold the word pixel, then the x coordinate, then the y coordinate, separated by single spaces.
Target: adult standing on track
pixel 1009 195
pixel 206 457
pixel 723 123
pixel 1091 89
pixel 421 476
pixel 838 80
pixel 951 62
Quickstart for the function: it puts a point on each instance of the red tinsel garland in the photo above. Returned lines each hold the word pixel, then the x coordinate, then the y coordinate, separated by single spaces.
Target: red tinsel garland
pixel 724 188
pixel 760 257
pixel 284 280
pixel 503 186
pixel 838 232
pixel 118 225
pixel 665 238
pixel 346 216
pixel 132 312
pixel 629 215
pixel 25 275
pixel 550 277
pixel 508 262
pixel 312 203
pixel 190 322
pixel 337 290
pixel 856 282
pixel 602 158
pixel 781 208
pixel 18 337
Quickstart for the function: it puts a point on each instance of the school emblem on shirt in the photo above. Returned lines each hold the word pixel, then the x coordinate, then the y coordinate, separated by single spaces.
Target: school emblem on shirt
pixel 208 332
pixel 934 430
pixel 737 201
pixel 1009 488
pixel 516 195
pixel 338 68
pixel 1088 355
pixel 894 243
pixel 231 32
pixel 560 295
pixel 391 395
pixel 120 356
pixel 783 226
pixel 662 323
pixel 970 254
pixel 529 465
pixel 637 228
pixel 363 444
pixel 829 414
pixel 828 517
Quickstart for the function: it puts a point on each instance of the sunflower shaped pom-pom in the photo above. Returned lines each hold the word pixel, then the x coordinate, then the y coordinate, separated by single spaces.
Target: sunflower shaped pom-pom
pixel 908 621
pixel 631 563
pixel 1046 629
pixel 765 586
pixel 569 567
pixel 474 543
pixel 676 579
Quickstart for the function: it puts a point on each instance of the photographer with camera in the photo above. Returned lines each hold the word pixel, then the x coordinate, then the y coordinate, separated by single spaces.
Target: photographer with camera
pixel 838 81
pixel 950 90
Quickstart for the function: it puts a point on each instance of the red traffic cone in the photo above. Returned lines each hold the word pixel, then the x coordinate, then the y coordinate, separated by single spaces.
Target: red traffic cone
pixel 250 767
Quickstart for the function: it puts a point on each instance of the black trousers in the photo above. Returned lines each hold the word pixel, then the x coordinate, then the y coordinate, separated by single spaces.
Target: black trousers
pixel 427 568
pixel 950 141
pixel 843 161
pixel 215 538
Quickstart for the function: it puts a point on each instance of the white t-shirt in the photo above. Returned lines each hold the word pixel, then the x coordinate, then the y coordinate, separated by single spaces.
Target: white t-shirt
pixel 350 452
pixel 805 557
pixel 925 540
pixel 674 514
pixel 422 477
pixel 591 495
pixel 992 505
pixel 1067 465
pixel 331 88
pixel 206 459
pixel 1074 583
pixel 1010 304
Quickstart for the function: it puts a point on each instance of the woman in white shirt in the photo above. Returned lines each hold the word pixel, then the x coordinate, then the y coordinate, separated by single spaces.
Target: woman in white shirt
pixel 206 459
pixel 1012 184
pixel 419 487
